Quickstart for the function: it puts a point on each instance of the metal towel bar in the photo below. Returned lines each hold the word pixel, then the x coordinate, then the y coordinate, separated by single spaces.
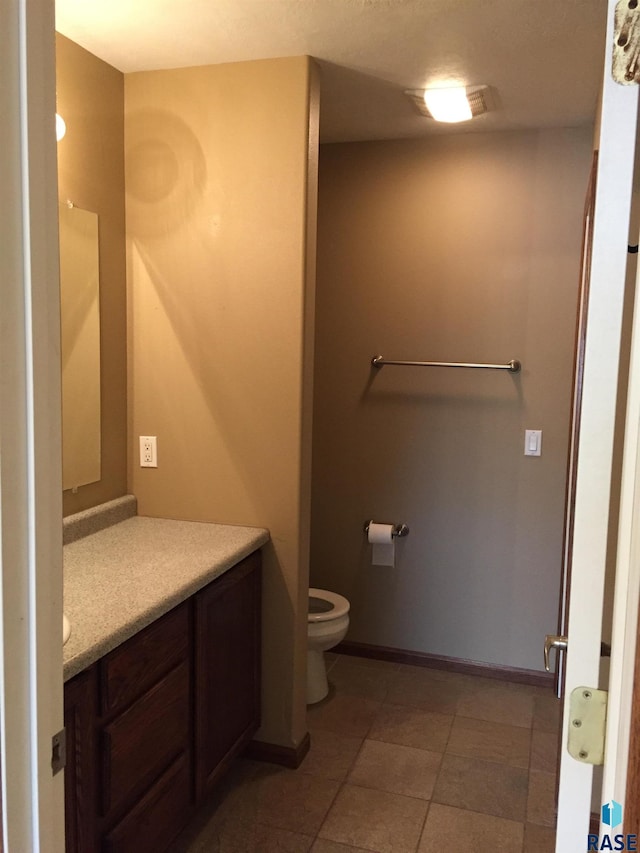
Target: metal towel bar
pixel 513 366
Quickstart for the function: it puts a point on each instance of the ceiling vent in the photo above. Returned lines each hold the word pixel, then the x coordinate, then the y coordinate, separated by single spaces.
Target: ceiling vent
pixel 481 100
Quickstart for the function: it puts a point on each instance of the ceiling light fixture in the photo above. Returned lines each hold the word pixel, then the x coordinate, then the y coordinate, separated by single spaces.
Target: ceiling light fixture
pixel 452 103
pixel 61 127
pixel 448 105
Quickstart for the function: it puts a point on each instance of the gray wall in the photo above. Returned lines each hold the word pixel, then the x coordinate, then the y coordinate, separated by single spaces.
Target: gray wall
pixel 462 248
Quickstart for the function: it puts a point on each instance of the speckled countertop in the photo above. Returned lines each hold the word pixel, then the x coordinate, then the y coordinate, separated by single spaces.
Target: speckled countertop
pixel 120 579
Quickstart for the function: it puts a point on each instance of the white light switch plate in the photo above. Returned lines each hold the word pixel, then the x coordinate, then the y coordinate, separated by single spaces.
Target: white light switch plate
pixel 532 442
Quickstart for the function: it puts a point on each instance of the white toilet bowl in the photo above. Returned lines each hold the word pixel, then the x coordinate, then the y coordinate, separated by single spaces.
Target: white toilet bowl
pixel 328 621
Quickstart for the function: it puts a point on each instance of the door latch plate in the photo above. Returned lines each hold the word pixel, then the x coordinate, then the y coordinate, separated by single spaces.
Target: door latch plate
pixel 587 719
pixel 58 751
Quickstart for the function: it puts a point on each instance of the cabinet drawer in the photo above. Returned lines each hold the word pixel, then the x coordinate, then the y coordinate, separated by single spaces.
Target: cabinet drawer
pixel 152 823
pixel 128 671
pixel 139 744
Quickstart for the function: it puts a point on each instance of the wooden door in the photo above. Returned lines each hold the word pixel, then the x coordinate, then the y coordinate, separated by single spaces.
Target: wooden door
pixel 593 467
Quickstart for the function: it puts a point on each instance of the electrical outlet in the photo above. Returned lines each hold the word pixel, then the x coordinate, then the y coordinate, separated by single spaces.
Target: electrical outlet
pixel 148 451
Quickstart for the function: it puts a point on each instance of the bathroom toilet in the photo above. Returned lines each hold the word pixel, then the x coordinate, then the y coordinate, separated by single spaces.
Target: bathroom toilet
pixel 328 621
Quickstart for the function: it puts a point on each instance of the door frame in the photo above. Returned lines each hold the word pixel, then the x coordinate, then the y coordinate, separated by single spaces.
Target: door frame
pixel 30 465
pixel 574 420
pixel 627 589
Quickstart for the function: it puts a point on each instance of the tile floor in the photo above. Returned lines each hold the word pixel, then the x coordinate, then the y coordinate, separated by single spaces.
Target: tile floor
pixel 403 760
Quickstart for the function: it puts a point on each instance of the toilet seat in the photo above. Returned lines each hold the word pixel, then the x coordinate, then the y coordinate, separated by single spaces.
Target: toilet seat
pixel 337 605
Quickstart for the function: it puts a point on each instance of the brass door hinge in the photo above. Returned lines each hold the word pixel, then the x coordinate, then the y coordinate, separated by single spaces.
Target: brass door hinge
pixel 587 720
pixel 626 43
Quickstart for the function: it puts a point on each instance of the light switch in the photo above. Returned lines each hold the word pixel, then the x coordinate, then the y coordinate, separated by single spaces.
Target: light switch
pixel 532 442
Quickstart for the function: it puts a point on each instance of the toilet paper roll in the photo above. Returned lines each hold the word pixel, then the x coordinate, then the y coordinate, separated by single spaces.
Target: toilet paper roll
pixel 383 552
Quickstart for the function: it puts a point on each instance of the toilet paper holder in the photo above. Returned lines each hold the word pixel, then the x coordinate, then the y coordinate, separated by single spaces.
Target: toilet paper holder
pixel 398 529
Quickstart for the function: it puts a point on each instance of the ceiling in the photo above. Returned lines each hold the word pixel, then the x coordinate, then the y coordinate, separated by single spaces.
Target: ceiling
pixel 542 57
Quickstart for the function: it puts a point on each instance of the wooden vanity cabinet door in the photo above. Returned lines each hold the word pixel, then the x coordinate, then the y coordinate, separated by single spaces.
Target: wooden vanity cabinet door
pixel 80 775
pixel 139 744
pixel 156 819
pixel 227 669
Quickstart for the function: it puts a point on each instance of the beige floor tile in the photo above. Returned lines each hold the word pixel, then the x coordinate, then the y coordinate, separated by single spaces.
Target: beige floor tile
pixel 547 712
pixel 539 839
pixel 375 820
pixel 351 716
pixel 428 689
pixel 351 677
pixel 331 755
pixel 458 831
pixel 329 664
pixel 498 703
pixel 482 786
pixel 411 727
pixel 490 741
pixel 397 769
pixel 295 801
pixel 227 821
pixel 241 837
pixel 429 672
pixel 323 846
pixel 238 791
pixel 478 802
pixel 541 802
pixel 217 836
pixel 227 837
pixel 271 840
pixel 544 751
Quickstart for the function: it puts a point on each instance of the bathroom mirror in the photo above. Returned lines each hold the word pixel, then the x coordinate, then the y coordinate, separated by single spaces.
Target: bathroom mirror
pixel 80 326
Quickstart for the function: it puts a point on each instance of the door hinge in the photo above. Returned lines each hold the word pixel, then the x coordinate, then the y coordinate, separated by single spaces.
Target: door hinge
pixel 59 751
pixel 587 719
pixel 626 41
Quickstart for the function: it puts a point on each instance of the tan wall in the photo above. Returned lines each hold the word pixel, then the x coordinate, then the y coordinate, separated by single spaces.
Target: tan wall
pixel 463 248
pixel 90 98
pixel 221 240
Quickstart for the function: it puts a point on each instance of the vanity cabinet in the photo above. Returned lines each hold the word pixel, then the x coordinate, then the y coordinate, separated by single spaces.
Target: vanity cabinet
pixel 80 788
pixel 227 671
pixel 153 725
